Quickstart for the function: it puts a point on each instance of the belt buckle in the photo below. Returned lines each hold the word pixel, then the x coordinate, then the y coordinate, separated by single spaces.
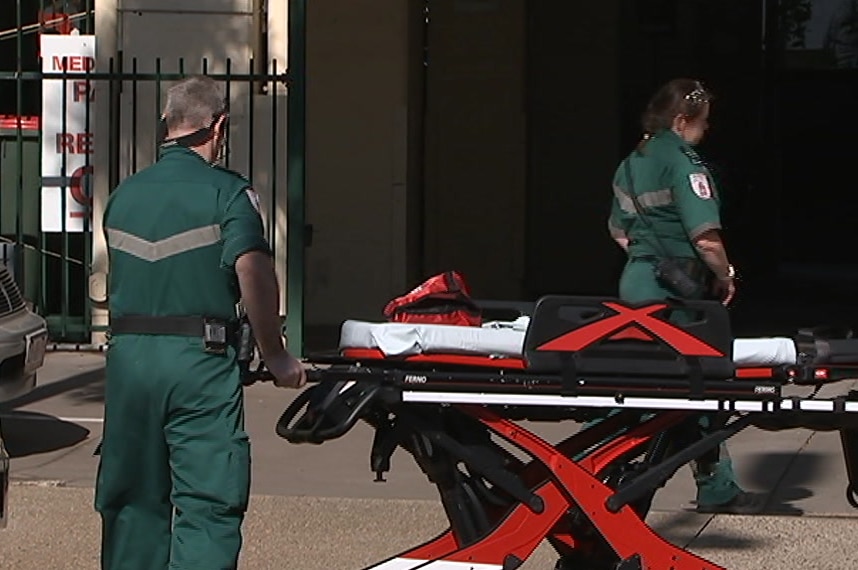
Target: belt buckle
pixel 215 336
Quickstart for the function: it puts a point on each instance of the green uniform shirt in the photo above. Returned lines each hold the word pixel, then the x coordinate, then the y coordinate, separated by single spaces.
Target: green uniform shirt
pixel 174 232
pixel 676 193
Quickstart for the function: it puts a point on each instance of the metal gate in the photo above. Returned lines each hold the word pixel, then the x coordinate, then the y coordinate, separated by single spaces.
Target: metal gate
pixel 47 221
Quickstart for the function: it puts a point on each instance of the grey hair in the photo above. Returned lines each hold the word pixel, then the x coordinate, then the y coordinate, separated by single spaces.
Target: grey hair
pixel 192 103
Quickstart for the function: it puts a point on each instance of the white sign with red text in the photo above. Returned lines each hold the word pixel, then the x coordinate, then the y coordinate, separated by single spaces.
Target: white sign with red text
pixel 67 143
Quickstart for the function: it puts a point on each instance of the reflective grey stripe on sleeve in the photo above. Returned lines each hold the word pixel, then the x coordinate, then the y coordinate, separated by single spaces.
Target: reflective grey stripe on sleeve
pixel 164 248
pixel 615 231
pixel 652 199
pixel 703 228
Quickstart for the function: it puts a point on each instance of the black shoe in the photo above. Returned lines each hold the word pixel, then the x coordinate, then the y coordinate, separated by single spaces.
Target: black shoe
pixel 742 504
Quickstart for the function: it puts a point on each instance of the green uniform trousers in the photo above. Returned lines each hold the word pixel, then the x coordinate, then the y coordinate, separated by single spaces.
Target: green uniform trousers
pixel 174 476
pixel 714 476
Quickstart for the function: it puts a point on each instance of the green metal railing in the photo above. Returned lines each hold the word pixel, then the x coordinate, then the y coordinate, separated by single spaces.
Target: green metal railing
pixel 130 99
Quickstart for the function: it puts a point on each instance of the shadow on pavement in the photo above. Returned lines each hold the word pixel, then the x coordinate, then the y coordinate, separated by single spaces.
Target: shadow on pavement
pixel 29 433
pixel 683 528
pixel 90 393
pixel 725 541
pixel 801 472
pixel 89 387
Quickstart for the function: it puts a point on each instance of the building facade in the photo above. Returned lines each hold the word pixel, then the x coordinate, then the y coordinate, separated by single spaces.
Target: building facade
pixel 426 135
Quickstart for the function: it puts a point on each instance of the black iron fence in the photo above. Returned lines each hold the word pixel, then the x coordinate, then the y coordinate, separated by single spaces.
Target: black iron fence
pixel 98 124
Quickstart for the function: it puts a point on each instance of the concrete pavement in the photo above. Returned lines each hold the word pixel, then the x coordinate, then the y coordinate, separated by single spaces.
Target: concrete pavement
pixel 318 507
pixel 52 529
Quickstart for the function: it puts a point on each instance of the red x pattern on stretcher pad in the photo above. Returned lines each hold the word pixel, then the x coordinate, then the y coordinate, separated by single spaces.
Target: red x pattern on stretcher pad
pixel 630 321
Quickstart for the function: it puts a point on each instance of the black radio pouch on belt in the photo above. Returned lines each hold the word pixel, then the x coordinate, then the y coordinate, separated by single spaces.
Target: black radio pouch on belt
pixel 668 270
pixel 246 348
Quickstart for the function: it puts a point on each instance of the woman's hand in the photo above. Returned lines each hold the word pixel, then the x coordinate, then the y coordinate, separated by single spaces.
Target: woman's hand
pixel 725 289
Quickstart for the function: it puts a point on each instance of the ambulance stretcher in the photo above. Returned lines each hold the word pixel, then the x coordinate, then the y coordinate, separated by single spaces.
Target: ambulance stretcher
pixel 451 396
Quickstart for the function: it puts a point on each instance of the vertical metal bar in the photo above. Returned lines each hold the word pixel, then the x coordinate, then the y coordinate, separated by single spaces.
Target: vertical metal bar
pixel 116 125
pixel 117 74
pixel 295 156
pixel 228 99
pixel 250 84
pixel 205 66
pixel 86 183
pixel 157 97
pixel 112 175
pixel 134 115
pixel 272 210
pixel 88 21
pixel 64 268
pixel 43 242
pixel 18 261
pixel 182 66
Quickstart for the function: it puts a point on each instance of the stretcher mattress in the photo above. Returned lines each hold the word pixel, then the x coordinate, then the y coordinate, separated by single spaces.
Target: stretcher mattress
pixel 506 339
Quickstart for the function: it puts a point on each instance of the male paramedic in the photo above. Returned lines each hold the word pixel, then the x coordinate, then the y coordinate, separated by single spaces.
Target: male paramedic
pixel 665 204
pixel 185 244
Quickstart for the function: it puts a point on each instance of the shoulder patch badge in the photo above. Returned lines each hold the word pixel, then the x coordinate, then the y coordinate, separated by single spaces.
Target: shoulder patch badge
pixel 254 198
pixel 700 185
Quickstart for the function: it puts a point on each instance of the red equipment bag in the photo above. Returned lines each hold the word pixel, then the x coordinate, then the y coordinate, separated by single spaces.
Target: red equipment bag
pixel 442 300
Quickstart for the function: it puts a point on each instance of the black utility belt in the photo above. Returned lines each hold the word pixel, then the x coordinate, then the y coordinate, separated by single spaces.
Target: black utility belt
pixel 695 269
pixel 216 333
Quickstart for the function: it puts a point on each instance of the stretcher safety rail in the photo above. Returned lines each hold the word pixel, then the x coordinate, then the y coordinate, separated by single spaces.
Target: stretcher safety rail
pixel 454 396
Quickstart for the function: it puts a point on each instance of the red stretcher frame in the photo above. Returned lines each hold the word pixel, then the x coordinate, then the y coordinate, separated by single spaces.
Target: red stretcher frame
pixel 566 480
pixel 565 484
pixel 562 484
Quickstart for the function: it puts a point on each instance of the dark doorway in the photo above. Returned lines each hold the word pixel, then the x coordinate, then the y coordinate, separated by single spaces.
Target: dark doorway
pixel 591 69
pixel 778 146
pixel 531 105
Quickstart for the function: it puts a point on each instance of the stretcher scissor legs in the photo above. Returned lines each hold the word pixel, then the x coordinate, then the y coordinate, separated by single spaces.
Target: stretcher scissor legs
pixel 553 497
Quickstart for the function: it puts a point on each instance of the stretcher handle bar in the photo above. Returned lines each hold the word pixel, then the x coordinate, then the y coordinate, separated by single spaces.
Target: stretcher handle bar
pixel 660 473
pixel 315 376
pixel 251 378
pixel 315 433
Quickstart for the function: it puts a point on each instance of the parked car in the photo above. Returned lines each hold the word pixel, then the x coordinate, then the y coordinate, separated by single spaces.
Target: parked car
pixel 23 340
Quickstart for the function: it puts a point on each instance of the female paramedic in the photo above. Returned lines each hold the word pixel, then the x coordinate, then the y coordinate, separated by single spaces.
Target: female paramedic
pixel 666 207
pixel 665 214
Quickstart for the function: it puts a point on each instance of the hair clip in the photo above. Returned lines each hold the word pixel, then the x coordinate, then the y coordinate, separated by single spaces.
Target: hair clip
pixel 698 95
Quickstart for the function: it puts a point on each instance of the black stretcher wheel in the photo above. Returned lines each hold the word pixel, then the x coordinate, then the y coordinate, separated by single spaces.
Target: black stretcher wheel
pixel 852 496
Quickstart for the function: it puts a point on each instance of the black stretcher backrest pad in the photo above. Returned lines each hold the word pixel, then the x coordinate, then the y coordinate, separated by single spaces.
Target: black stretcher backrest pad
pixel 606 336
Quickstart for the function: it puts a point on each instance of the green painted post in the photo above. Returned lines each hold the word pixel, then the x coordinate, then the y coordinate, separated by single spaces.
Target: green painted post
pixel 19 186
pixel 295 138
